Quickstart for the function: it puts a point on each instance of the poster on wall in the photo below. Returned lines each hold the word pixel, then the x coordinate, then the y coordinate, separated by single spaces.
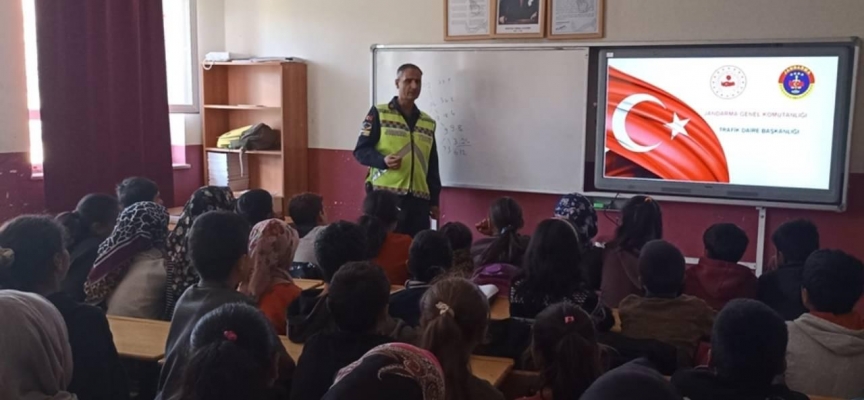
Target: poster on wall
pixel 520 18
pixel 575 19
pixel 467 19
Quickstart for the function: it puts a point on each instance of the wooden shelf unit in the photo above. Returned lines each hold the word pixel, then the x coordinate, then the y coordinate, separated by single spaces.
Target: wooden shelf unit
pixel 275 93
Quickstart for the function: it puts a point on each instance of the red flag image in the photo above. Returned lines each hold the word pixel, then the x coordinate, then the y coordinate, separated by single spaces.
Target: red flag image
pixel 652 134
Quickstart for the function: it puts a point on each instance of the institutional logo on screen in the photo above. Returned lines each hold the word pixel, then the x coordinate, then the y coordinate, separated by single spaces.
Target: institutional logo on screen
pixel 797 81
pixel 728 82
pixel 650 133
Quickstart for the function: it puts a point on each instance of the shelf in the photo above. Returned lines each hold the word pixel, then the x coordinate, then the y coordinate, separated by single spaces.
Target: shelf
pixel 261 152
pixel 239 107
pixel 249 63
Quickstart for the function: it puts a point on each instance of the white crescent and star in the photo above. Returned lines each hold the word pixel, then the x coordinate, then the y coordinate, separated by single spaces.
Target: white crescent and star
pixel 619 123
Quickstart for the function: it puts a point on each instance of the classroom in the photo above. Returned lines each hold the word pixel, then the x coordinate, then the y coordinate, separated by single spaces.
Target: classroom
pixel 436 199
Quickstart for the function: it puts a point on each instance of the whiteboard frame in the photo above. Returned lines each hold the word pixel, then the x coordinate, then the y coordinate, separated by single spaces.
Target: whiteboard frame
pixel 852 40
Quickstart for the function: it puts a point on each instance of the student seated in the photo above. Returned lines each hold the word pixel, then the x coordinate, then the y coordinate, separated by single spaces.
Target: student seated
pixel 748 347
pixel 662 314
pixel 641 222
pixel 136 189
pixel 429 257
pixel 718 278
pixel 564 347
pixel 37 361
pixel 636 380
pixel 255 205
pixel 504 245
pixel 460 238
pixel 579 212
pixel 391 372
pixel 781 289
pixel 826 347
pixel 33 259
pixel 218 248
pixel 129 274
pixel 454 317
pixel 386 247
pixel 552 274
pixel 86 228
pixel 233 355
pixel 181 274
pixel 357 300
pixel 271 251
pixel 308 218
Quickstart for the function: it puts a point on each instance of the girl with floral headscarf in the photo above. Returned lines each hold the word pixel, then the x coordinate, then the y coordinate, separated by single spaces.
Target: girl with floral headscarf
pixel 181 274
pixel 272 245
pixel 579 212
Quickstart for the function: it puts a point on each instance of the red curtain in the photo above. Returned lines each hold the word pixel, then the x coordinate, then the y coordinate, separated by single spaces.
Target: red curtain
pixel 104 97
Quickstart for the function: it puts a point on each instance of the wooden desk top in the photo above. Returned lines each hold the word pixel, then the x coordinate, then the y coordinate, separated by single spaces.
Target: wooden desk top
pixel 490 369
pixel 139 339
pixel 617 327
pixel 500 309
pixel 396 288
pixel 305 284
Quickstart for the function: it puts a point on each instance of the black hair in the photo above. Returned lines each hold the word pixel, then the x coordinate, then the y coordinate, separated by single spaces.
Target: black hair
pixel 135 190
pixel 748 344
pixel 505 217
pixel 255 205
pixel 641 222
pixel 232 349
pixel 661 267
pixel 304 209
pixel 459 235
pixel 35 241
pixel 454 315
pixel 404 67
pixel 796 240
pixel 357 295
pixel 834 281
pixel 725 242
pixel 338 244
pixel 564 345
pixel 380 214
pixel 552 261
pixel 92 209
pixel 430 255
pixel 217 241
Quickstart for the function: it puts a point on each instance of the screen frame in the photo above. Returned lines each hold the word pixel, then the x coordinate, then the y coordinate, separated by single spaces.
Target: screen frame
pixel 832 198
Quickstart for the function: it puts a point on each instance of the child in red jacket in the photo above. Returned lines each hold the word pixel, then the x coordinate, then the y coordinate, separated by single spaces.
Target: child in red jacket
pixel 718 278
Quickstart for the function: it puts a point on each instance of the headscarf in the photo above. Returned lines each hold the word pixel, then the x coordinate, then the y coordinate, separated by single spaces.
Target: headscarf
pixel 578 210
pixel 180 273
pixel 34 349
pixel 140 227
pixel 636 380
pixel 272 245
pixel 390 371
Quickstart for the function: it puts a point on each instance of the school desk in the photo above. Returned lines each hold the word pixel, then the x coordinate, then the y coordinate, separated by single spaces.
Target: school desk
pixel 139 339
pixel 617 327
pixel 396 288
pixel 305 284
pixel 490 369
pixel 500 308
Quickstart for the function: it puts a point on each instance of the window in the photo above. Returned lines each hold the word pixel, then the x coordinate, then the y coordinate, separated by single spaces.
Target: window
pixel 180 62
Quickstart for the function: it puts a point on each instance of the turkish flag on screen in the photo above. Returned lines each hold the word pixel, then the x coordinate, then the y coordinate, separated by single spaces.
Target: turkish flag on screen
pixel 652 134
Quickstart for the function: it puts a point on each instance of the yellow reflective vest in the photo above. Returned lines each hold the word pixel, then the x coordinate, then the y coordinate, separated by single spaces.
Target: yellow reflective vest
pixel 415 148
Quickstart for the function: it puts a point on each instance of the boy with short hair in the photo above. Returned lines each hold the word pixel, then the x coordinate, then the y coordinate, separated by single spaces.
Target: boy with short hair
pixel 137 189
pixel 718 278
pixel 781 289
pixel 826 346
pixel 218 243
pixel 461 239
pixel 307 215
pixel 430 256
pixel 255 205
pixel 357 300
pixel 662 314
pixel 748 349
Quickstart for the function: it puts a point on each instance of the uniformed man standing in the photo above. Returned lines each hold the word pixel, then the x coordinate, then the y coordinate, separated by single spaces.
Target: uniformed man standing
pixel 397 143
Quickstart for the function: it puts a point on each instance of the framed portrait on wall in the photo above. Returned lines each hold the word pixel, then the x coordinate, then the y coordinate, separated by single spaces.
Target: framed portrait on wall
pixel 468 19
pixel 520 18
pixel 575 19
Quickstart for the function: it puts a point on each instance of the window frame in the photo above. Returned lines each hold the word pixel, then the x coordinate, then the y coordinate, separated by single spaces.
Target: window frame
pixel 194 107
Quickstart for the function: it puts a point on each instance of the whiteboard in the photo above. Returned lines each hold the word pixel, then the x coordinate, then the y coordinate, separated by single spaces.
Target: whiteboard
pixel 508 118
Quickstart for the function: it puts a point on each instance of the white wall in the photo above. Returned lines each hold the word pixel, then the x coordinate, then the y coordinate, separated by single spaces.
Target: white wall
pixel 13 84
pixel 335 35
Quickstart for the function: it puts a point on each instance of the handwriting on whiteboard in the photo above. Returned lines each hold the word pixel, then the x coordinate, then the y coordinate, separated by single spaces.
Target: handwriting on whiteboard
pixel 452 135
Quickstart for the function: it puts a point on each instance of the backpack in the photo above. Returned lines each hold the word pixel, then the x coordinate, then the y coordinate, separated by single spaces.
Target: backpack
pixel 499 275
pixel 224 141
pixel 257 137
